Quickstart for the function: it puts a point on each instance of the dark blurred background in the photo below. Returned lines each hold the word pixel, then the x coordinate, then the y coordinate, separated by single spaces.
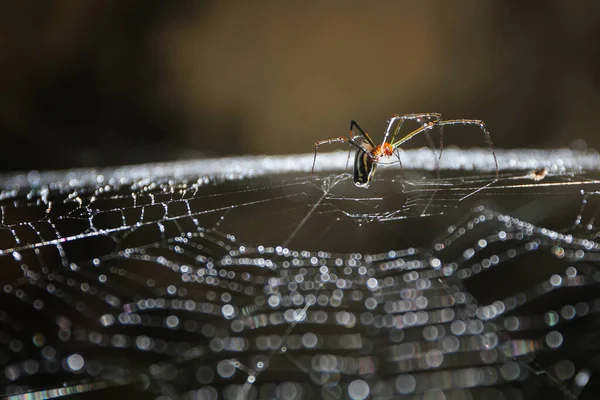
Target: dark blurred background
pixel 107 83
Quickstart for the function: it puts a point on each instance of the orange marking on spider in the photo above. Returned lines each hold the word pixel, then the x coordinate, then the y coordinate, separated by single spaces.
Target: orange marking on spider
pixel 369 155
pixel 538 174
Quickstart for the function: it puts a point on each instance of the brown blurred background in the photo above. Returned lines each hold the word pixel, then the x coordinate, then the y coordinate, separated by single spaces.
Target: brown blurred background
pixel 106 83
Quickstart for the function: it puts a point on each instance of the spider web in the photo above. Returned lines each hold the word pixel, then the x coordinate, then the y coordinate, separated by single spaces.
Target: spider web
pixel 245 278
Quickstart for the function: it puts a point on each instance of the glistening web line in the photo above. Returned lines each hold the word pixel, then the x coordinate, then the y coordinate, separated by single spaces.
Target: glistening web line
pixel 236 168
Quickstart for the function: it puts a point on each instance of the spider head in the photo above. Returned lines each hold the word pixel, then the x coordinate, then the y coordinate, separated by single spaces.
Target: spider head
pixel 383 150
pixel 387 149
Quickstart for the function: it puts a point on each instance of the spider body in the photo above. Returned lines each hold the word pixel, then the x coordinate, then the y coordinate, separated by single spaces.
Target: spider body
pixel 366 160
pixel 538 174
pixel 368 154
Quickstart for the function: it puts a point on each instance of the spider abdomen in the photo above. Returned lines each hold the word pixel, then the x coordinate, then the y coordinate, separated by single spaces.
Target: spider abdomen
pixel 364 166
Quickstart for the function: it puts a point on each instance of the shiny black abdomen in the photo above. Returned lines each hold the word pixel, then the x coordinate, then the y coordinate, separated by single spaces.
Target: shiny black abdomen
pixel 364 168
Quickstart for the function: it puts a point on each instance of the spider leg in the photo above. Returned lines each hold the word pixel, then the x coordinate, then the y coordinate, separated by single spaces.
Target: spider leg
pixel 435 117
pixel 431 125
pixel 352 141
pixel 397 149
pixel 431 146
pixel 435 159
pixel 348 159
pixel 486 134
pixel 431 117
pixel 353 124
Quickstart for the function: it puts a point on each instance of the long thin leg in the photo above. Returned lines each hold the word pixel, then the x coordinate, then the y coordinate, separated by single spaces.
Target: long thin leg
pixel 436 117
pixel 432 117
pixel 400 161
pixel 353 124
pixel 348 159
pixel 435 159
pixel 486 134
pixel 431 125
pixel 431 146
pixel 352 141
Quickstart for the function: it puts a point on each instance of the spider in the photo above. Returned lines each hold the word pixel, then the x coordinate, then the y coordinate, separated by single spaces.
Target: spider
pixel 368 154
pixel 538 174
